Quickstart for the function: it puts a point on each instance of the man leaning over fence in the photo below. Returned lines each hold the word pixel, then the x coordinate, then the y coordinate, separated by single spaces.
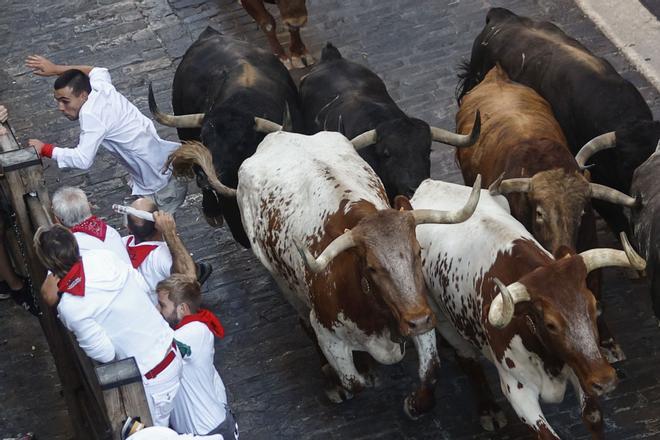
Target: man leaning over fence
pixel 104 302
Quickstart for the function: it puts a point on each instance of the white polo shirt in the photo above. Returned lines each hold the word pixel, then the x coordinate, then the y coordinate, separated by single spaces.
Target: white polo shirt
pixel 94 233
pixel 199 406
pixel 155 267
pixel 114 318
pixel 108 119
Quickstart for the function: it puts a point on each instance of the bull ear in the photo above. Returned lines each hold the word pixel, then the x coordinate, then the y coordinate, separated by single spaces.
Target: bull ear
pixel 287 124
pixel 402 203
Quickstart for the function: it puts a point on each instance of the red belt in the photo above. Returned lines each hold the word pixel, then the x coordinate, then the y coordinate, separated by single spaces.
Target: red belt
pixel 167 360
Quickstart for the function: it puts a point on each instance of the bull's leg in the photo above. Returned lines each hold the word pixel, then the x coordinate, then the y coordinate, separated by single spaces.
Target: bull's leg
pixel 340 358
pixel 525 402
pixel 299 55
pixel 266 23
pixel 591 413
pixel 422 400
pixel 587 239
pixel 491 416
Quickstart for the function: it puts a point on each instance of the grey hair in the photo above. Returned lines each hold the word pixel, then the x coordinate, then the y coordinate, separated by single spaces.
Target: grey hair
pixel 70 206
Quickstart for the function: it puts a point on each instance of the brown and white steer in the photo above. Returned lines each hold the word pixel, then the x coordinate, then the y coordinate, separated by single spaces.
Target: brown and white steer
pixel 319 220
pixel 294 16
pixel 497 291
pixel 522 141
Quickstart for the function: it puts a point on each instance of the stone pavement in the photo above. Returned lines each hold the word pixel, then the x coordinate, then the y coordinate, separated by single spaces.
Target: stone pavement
pixel 268 364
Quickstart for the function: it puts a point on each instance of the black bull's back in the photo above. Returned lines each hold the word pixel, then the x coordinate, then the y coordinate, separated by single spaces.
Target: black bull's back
pixel 231 82
pixel 587 95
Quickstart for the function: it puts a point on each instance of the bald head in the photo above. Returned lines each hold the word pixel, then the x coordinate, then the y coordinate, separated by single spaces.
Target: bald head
pixel 143 230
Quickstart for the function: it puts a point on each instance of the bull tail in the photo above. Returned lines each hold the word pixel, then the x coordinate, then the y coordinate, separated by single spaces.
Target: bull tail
pixel 192 153
pixel 330 52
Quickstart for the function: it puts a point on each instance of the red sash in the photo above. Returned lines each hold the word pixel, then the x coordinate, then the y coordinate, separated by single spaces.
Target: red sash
pixel 74 281
pixel 139 252
pixel 93 226
pixel 207 317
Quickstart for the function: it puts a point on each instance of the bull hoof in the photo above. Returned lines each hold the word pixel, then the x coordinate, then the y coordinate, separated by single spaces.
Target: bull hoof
pixel 492 419
pixel 287 63
pixel 215 222
pixel 415 407
pixel 612 351
pixel 301 61
pixel 338 394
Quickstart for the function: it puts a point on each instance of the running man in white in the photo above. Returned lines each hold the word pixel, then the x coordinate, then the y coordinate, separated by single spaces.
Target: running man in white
pixel 108 119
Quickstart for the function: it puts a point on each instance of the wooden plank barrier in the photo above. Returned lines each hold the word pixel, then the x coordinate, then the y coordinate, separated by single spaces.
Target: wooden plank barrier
pixel 98 396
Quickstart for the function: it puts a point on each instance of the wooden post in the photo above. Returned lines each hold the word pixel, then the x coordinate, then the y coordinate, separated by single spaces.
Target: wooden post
pixel 123 393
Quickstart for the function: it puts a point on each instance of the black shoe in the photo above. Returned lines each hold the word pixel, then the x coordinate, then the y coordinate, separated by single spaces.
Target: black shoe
pixel 26 300
pixel 203 272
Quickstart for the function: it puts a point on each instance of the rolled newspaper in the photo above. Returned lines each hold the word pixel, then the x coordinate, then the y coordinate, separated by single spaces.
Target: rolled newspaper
pixel 134 212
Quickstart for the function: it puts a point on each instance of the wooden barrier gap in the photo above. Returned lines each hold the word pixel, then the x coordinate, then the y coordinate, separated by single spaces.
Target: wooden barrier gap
pixel 98 396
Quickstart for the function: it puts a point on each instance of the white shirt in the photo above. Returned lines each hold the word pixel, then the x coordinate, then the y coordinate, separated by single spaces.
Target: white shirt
pixel 114 319
pixel 156 267
pixel 162 433
pixel 107 118
pixel 112 243
pixel 199 406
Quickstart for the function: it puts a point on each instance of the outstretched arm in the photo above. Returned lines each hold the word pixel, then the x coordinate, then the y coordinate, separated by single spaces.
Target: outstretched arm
pixel 182 262
pixel 44 67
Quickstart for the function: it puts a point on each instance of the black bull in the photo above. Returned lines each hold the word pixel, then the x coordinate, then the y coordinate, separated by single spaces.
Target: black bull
pixel 587 95
pixel 340 95
pixel 220 86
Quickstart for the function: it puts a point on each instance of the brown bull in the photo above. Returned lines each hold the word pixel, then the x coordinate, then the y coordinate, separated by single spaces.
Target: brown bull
pixel 294 16
pixel 546 188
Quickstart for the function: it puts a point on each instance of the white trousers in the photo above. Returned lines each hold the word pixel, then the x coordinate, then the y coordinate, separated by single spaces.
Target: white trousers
pixel 161 391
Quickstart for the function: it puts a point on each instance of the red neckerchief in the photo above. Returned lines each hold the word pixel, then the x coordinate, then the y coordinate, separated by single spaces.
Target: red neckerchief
pixel 74 281
pixel 93 226
pixel 207 317
pixel 139 252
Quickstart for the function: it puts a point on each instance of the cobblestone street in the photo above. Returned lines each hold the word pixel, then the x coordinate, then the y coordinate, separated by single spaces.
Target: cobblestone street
pixel 269 365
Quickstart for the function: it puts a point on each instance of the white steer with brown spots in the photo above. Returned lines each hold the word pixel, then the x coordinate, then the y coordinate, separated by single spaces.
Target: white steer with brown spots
pixel 319 220
pixel 495 290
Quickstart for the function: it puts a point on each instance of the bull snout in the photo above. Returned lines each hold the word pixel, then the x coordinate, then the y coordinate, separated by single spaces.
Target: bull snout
pixel 295 22
pixel 416 324
pixel 604 382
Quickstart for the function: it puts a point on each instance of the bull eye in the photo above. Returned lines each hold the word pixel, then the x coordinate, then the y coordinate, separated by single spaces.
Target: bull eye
pixel 366 287
pixel 386 153
pixel 551 327
pixel 599 309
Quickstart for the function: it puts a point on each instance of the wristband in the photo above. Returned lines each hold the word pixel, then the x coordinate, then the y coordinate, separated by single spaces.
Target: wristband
pixel 47 150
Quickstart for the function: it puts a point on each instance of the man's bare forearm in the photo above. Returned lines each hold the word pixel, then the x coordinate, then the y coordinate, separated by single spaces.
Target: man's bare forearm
pixel 182 262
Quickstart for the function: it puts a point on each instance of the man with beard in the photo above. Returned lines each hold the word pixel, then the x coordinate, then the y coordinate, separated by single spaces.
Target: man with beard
pixel 201 404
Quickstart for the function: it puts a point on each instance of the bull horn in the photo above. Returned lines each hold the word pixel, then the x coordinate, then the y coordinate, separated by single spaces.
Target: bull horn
pixel 340 125
pixel 340 244
pixel 265 126
pixel 598 258
pixel 602 142
pixel 364 140
pixel 424 216
pixel 195 153
pixel 458 140
pixel 518 185
pixel 287 124
pixel 503 305
pixel 182 121
pixel 602 192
